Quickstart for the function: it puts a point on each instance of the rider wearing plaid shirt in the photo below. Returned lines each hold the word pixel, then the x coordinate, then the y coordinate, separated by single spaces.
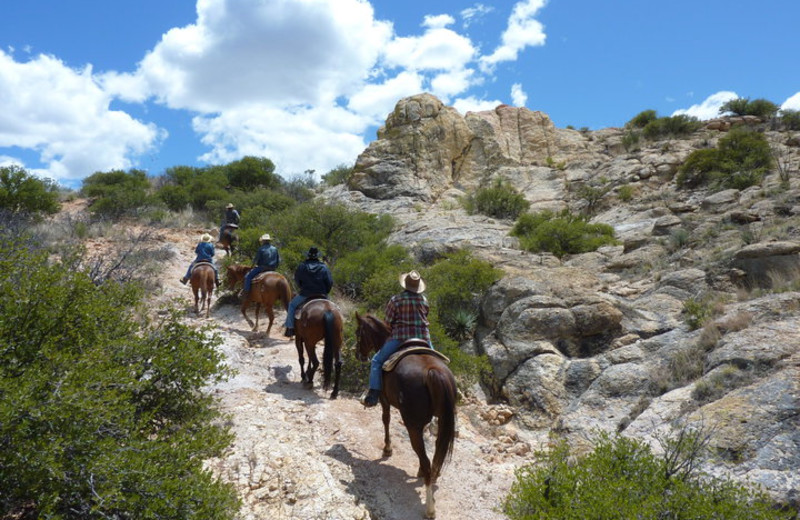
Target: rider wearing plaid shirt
pixel 407 313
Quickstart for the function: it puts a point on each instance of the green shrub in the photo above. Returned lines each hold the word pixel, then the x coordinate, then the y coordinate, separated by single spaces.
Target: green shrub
pixel 626 193
pixel 672 126
pixel 250 172
pixel 103 414
pixel 744 107
pixel 790 119
pixel 561 234
pixel 642 119
pixel 622 479
pixel 175 197
pixel 740 160
pixel 630 141
pixel 21 192
pixel 696 312
pixel 353 269
pixel 339 175
pixel 498 201
pixel 117 193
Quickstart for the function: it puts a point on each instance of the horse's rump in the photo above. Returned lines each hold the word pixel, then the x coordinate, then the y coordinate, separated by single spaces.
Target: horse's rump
pixel 409 347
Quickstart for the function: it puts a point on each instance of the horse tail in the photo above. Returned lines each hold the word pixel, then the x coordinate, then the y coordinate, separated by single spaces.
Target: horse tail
pixel 442 389
pixel 327 353
pixel 286 294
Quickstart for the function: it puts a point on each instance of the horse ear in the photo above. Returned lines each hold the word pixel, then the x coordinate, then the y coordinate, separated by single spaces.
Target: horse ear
pixel 357 316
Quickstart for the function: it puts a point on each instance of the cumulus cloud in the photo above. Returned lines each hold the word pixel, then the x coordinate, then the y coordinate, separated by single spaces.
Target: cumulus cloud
pixel 65 117
pixel 523 31
pixel 518 96
pixel 709 108
pixel 473 104
pixel 793 103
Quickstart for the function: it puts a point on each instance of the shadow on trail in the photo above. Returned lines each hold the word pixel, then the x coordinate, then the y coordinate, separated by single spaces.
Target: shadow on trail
pixel 388 492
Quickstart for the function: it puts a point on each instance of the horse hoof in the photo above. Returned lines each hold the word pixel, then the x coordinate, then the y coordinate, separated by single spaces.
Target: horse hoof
pixel 387 453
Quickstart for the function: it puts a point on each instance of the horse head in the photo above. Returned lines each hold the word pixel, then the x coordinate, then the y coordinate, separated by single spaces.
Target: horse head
pixel 371 334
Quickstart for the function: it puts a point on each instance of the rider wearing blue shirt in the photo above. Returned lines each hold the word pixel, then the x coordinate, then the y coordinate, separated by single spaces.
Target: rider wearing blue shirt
pixel 312 277
pixel 204 252
pixel 267 259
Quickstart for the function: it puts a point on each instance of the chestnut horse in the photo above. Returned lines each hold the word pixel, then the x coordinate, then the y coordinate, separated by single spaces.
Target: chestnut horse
pixel 227 239
pixel 202 280
pixel 420 387
pixel 320 319
pixel 267 288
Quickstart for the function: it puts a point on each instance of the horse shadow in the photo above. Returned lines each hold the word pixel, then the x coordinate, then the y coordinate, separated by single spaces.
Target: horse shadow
pixel 291 389
pixel 387 492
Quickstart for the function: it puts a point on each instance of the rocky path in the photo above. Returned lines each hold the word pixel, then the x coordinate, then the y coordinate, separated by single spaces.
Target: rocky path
pixel 300 455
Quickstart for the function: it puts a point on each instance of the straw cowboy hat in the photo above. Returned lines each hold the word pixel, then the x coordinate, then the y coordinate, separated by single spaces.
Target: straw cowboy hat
pixel 206 237
pixel 229 206
pixel 412 282
pixel 265 237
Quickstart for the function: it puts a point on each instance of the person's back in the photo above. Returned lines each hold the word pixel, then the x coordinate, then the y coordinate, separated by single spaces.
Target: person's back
pixel 313 277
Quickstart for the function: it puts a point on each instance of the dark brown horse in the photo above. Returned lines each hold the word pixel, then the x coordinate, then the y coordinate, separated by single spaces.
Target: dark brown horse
pixel 202 286
pixel 320 319
pixel 420 387
pixel 267 288
pixel 227 239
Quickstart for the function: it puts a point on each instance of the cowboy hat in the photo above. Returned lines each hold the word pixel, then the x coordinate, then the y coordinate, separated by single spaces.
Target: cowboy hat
pixel 313 252
pixel 206 237
pixel 229 206
pixel 265 237
pixel 412 282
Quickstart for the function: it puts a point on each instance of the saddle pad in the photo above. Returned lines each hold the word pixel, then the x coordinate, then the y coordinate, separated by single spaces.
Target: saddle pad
pixel 260 276
pixel 300 308
pixel 201 262
pixel 390 363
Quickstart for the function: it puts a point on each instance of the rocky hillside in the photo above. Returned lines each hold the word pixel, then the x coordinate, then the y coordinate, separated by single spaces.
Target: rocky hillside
pixel 609 340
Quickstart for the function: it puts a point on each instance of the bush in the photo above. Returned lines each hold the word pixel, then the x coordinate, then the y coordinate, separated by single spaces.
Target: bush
pixel 672 126
pixel 339 175
pixel 103 414
pixel 642 119
pixel 790 119
pixel 117 193
pixel 250 172
pixel 498 201
pixel 740 160
pixel 622 479
pixel 744 107
pixel 21 192
pixel 352 270
pixel 561 234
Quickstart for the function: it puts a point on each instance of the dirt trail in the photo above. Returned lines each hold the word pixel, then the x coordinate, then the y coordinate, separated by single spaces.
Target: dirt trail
pixel 300 455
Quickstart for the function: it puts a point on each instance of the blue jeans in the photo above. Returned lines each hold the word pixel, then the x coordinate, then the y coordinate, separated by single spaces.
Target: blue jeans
pixel 293 305
pixel 380 357
pixel 252 273
pixel 191 266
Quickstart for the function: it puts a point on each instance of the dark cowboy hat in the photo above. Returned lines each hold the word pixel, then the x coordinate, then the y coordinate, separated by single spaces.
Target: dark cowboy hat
pixel 313 254
pixel 412 282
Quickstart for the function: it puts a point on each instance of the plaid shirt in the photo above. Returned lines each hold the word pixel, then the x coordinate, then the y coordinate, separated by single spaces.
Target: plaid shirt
pixel 407 313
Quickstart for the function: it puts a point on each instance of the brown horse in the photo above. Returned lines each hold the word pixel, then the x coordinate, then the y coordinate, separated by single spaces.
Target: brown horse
pixel 202 286
pixel 420 387
pixel 320 319
pixel 228 240
pixel 267 288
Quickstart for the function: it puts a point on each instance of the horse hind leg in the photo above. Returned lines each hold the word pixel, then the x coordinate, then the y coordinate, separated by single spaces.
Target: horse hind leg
pixel 386 417
pixel 418 443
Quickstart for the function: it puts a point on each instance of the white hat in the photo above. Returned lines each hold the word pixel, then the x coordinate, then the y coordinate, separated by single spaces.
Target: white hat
pixel 206 237
pixel 265 237
pixel 412 282
pixel 229 206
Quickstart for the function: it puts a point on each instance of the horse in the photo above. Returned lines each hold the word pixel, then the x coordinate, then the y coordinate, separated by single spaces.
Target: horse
pixel 320 319
pixel 421 387
pixel 202 281
pixel 267 288
pixel 227 239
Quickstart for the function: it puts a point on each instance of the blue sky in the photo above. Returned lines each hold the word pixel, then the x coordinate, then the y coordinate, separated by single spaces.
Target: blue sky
pixel 96 85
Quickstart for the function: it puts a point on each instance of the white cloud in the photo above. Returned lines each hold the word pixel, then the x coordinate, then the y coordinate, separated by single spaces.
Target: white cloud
pixel 472 104
pixel 709 108
pixel 474 14
pixel 438 21
pixel 64 116
pixel 375 101
pixel 436 49
pixel 518 96
pixel 793 103
pixel 523 31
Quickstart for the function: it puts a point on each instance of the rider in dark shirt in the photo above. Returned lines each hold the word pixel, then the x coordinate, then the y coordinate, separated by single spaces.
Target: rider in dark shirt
pixel 312 277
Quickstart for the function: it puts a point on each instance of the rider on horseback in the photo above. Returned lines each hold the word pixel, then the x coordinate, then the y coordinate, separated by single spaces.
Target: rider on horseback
pixel 204 253
pixel 407 313
pixel 312 277
pixel 231 218
pixel 267 259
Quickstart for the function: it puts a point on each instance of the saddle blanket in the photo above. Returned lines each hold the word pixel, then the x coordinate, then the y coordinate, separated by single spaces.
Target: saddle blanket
pixel 390 363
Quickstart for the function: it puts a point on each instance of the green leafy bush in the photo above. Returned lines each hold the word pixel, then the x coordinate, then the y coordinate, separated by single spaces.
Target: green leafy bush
pixel 561 233
pixel 117 193
pixel 353 269
pixel 250 172
pixel 642 119
pixel 21 192
pixel 672 126
pixel 745 107
pixel 339 175
pixel 622 479
pixel 500 201
pixel 740 160
pixel 790 119
pixel 103 414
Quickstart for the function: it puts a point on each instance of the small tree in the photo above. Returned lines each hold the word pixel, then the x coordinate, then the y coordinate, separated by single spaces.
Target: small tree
pixel 744 107
pixel 21 192
pixel 561 234
pixel 117 192
pixel 499 200
pixel 642 119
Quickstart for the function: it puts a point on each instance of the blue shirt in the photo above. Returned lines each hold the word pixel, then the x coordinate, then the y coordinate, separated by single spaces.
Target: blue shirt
pixel 204 252
pixel 313 277
pixel 268 257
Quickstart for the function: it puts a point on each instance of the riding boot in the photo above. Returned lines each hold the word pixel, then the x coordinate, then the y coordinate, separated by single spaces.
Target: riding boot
pixel 217 283
pixel 184 280
pixel 243 295
pixel 372 398
pixel 289 333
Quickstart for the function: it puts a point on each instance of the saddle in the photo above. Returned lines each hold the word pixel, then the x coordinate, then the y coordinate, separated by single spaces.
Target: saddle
pixel 260 276
pixel 313 297
pixel 409 347
pixel 202 262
